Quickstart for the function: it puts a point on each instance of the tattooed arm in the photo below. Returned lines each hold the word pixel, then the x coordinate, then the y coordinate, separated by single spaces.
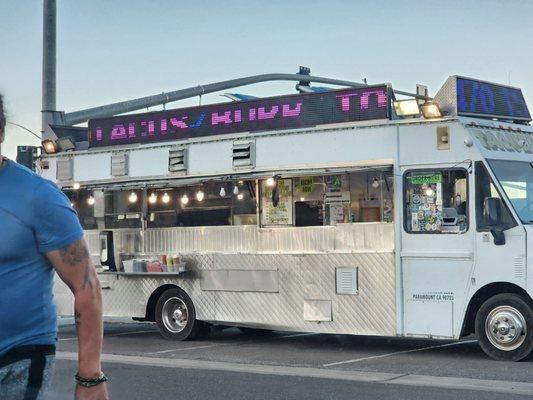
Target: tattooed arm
pixel 74 267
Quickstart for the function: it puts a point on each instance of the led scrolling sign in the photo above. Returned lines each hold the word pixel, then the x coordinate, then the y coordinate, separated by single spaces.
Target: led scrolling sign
pixel 274 113
pixel 482 99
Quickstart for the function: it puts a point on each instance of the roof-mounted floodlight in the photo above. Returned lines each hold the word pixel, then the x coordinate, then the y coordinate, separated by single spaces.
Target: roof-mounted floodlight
pixel 66 143
pixel 49 146
pixel 431 109
pixel 405 108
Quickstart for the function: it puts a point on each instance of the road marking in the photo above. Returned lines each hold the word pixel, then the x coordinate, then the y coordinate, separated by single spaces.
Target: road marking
pixel 523 388
pixel 355 360
pixel 186 348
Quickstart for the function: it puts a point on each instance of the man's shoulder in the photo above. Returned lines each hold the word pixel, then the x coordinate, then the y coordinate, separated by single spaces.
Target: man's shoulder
pixel 28 179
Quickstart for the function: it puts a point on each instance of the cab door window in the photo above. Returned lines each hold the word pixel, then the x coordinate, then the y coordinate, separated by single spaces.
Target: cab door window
pixel 436 201
pixel 486 189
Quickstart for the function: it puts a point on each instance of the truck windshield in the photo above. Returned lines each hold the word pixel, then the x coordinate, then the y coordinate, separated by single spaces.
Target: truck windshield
pixel 516 178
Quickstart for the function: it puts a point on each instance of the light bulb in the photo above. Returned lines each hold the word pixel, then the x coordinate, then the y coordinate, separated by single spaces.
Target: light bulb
pixel 235 190
pixel 72 204
pixel 241 182
pixel 222 192
pixel 375 183
pixel 165 198
pixel 302 198
pixel 76 186
pixel 153 198
pixel 90 200
pixel 132 197
pixel 200 195
pixel 270 182
pixel 429 192
pixel 240 196
pixel 184 199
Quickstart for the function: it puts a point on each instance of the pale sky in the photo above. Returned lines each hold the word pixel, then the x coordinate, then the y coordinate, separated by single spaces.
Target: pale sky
pixel 117 50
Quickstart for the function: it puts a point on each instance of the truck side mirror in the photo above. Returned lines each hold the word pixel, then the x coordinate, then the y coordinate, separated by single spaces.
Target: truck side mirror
pixel 492 212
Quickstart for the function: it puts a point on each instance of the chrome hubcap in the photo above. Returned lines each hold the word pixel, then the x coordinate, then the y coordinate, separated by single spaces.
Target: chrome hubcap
pixel 506 328
pixel 175 314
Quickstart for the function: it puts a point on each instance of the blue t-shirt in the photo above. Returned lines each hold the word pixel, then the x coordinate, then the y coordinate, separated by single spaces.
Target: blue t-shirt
pixel 35 218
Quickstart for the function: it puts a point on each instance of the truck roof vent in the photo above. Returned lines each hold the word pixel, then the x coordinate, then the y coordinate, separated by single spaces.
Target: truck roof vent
pixel 177 160
pixel 65 170
pixel 119 164
pixel 243 154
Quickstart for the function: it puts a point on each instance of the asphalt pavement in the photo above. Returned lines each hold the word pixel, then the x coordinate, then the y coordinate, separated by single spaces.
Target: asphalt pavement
pixel 287 365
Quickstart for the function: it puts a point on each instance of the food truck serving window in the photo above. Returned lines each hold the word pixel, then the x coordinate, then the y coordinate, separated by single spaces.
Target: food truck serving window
pixel 436 201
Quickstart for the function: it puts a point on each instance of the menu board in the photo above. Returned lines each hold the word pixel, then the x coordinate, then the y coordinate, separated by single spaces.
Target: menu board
pixel 282 213
pixel 425 202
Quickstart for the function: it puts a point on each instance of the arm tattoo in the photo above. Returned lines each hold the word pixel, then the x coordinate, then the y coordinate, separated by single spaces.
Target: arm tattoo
pixel 74 253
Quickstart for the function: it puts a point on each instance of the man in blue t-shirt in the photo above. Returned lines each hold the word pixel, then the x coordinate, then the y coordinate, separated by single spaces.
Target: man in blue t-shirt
pixel 40 232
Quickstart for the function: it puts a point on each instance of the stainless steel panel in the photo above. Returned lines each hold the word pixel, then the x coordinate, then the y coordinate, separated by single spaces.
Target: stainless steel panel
pixel 240 280
pixel 305 258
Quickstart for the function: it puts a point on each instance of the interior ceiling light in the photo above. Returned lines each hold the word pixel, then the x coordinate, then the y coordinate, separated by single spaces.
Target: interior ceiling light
pixel 240 196
pixel 430 110
pixel 132 197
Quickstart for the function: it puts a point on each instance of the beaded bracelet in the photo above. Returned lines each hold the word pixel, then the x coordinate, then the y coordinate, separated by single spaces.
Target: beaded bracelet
pixel 90 382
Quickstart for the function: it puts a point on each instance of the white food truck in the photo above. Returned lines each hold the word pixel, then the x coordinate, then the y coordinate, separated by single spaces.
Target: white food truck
pixel 346 212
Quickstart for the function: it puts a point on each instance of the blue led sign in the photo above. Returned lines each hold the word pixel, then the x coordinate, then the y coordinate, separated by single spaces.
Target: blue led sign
pixel 483 99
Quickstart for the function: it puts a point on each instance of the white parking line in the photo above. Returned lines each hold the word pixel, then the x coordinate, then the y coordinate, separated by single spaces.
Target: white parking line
pixel 355 360
pixel 185 348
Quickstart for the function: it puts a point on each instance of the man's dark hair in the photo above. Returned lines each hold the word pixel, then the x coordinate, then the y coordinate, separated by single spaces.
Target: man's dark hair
pixel 2 113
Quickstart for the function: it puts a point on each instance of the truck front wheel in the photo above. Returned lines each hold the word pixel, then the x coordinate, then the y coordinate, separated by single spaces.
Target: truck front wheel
pixel 176 317
pixel 504 327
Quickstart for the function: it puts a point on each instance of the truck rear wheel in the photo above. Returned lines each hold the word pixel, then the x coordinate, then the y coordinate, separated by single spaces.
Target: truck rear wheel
pixel 504 327
pixel 176 316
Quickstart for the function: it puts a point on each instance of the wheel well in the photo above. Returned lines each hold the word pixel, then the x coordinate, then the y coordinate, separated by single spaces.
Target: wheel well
pixel 485 293
pixel 152 301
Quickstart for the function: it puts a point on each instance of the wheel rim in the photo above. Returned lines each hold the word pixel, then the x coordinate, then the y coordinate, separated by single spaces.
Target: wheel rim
pixel 175 314
pixel 506 328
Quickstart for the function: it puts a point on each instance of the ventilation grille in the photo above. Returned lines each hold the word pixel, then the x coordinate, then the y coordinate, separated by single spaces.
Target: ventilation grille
pixel 243 154
pixel 519 264
pixel 64 169
pixel 119 164
pixel 346 278
pixel 177 160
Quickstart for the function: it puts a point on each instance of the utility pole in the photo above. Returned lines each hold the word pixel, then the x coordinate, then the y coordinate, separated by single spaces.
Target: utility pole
pixel 49 66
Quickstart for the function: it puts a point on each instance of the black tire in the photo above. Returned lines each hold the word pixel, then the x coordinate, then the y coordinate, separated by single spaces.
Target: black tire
pixel 175 316
pixel 498 329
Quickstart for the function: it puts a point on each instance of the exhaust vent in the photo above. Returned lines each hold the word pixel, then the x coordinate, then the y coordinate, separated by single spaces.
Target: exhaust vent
pixel 243 154
pixel 346 280
pixel 65 170
pixel 177 160
pixel 119 164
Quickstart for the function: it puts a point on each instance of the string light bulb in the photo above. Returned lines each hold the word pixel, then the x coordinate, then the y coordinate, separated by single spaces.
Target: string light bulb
pixel 76 186
pixel 270 182
pixel 429 192
pixel 90 201
pixel 240 196
pixel 375 183
pixel 235 190
pixel 222 192
pixel 184 199
pixel 200 195
pixel 165 198
pixel 153 198
pixel 132 197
